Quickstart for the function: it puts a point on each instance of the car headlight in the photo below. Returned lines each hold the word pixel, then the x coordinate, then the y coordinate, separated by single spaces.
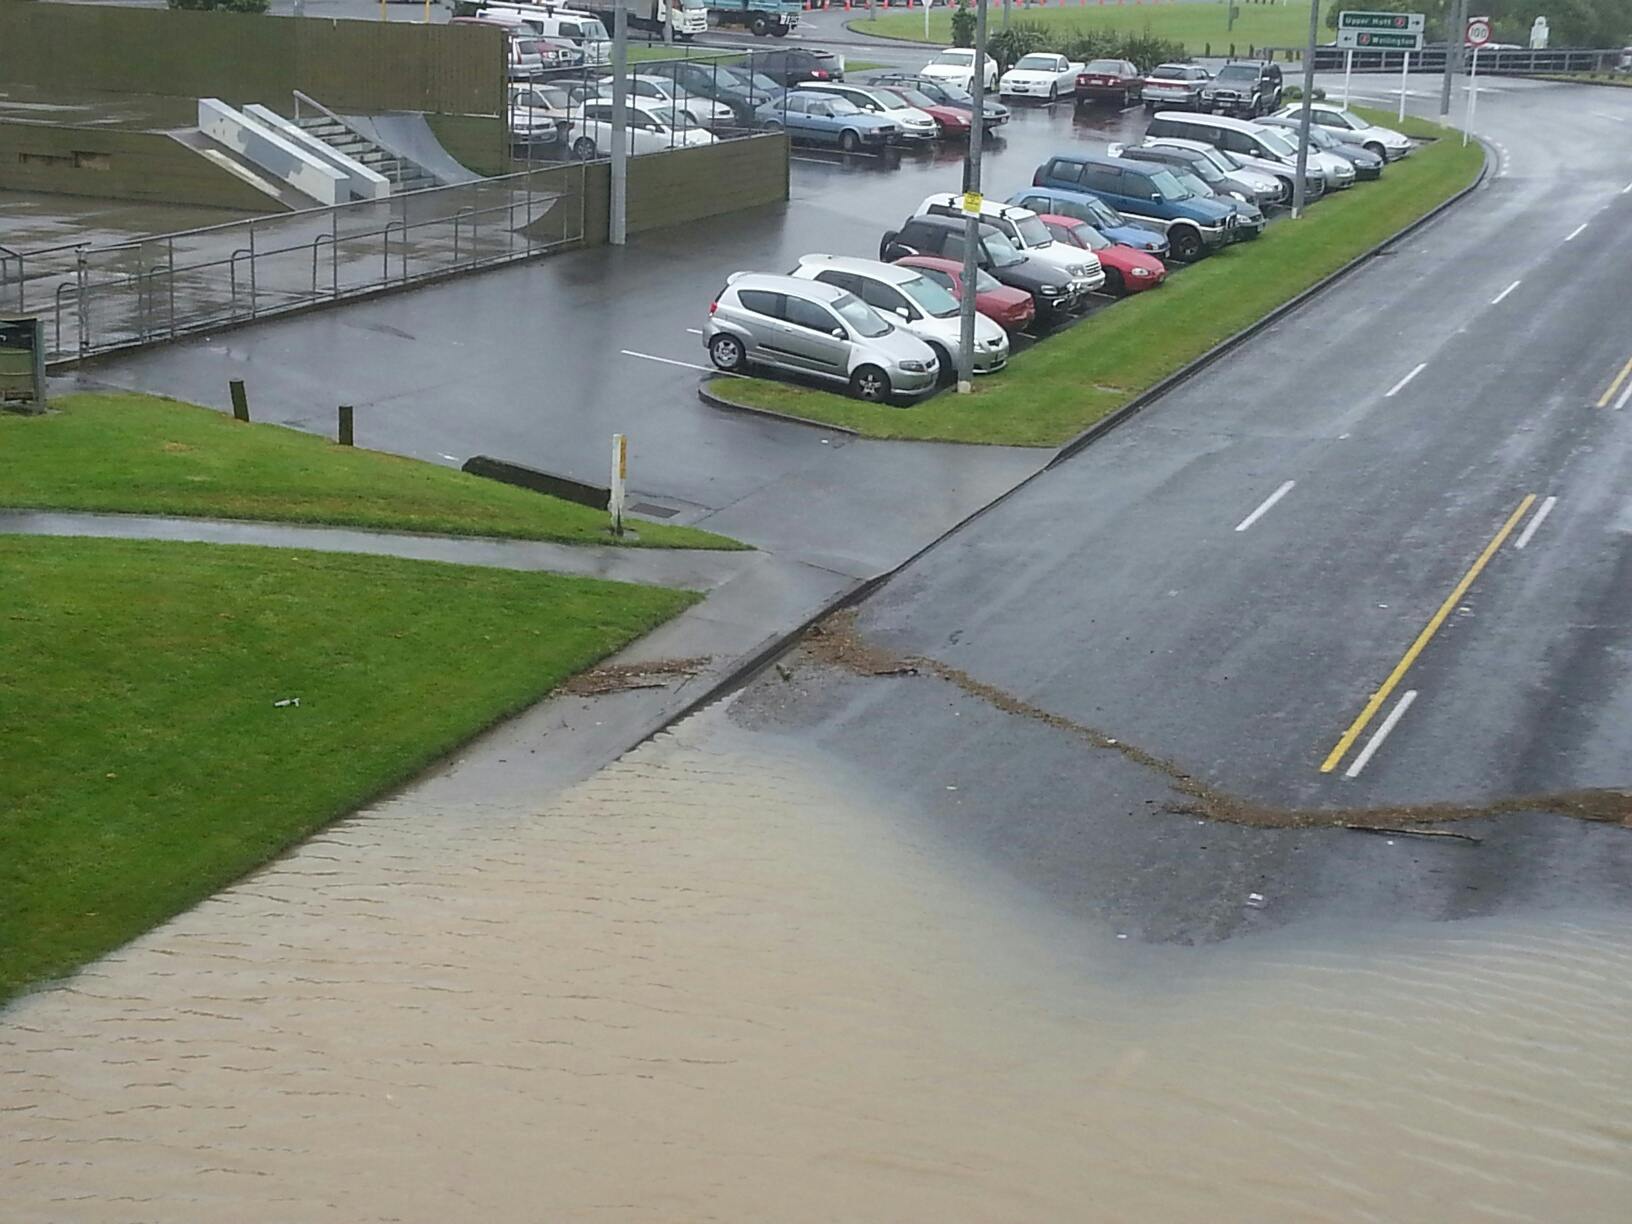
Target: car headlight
pixel 1050 291
pixel 915 367
pixel 1236 195
pixel 1141 273
pixel 1081 272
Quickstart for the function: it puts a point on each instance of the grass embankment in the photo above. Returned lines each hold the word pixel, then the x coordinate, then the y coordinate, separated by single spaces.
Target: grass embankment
pixel 1622 80
pixel 1195 25
pixel 1070 380
pixel 140 454
pixel 142 762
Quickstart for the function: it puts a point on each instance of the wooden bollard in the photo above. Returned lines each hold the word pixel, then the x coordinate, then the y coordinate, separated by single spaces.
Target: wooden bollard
pixel 240 399
pixel 345 424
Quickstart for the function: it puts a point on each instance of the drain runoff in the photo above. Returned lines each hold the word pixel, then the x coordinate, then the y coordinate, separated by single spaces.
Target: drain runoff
pixel 651 511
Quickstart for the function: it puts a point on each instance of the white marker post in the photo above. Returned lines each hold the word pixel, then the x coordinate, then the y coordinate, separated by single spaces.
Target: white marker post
pixel 1405 72
pixel 620 475
pixel 1348 71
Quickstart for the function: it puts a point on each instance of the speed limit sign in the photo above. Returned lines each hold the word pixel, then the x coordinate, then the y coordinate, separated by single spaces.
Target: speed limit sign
pixel 1478 31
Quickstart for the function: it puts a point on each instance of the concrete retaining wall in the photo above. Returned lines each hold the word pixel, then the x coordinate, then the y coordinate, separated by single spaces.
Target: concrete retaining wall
pixel 118 165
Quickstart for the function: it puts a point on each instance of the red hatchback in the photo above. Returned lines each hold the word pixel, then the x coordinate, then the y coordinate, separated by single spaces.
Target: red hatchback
pixel 1108 80
pixel 1012 309
pixel 1126 270
pixel 952 120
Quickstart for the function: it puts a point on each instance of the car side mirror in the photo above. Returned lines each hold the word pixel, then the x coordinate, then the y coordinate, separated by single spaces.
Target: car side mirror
pixel 837 333
pixel 1156 196
pixel 903 312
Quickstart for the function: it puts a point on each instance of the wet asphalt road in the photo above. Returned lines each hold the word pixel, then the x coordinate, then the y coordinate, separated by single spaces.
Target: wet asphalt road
pixel 1131 590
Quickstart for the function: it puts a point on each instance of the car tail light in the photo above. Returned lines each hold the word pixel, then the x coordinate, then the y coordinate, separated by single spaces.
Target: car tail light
pixel 819 74
pixel 713 306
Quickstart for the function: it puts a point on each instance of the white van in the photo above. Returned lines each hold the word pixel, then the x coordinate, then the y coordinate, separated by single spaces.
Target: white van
pixel 583 30
pixel 1252 144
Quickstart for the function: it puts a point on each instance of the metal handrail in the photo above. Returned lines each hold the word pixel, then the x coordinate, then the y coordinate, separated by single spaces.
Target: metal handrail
pixel 7 254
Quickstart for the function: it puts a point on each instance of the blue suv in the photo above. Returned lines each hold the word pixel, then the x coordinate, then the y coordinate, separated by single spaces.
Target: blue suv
pixel 1081 206
pixel 1148 191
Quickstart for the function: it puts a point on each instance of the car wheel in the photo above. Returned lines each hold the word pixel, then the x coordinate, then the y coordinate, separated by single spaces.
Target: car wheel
pixel 725 351
pixel 1114 284
pixel 871 384
pixel 1378 149
pixel 773 125
pixel 760 25
pixel 781 31
pixel 948 368
pixel 1185 243
pixel 1053 93
pixel 849 140
pixel 583 148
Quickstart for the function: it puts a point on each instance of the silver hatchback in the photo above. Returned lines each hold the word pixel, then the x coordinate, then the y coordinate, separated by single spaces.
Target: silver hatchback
pixel 807 327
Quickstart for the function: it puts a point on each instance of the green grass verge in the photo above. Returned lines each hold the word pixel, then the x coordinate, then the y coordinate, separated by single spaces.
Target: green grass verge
pixel 139 454
pixel 1621 79
pixel 1066 383
pixel 144 764
pixel 1195 25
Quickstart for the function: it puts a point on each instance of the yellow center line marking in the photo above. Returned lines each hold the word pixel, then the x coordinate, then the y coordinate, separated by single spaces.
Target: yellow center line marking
pixel 1423 638
pixel 1603 400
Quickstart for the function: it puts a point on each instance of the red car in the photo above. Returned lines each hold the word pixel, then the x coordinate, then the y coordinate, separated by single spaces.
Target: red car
pixel 1126 270
pixel 1012 309
pixel 952 120
pixel 1108 80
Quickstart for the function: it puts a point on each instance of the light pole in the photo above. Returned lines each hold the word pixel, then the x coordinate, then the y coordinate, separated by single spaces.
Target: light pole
pixel 1300 190
pixel 971 225
pixel 618 222
pixel 1456 21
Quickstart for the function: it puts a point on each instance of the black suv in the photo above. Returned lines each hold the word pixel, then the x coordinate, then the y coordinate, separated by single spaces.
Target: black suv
pixel 943 236
pixel 1244 87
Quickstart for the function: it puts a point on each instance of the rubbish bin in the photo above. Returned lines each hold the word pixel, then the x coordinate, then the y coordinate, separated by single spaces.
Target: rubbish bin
pixel 22 365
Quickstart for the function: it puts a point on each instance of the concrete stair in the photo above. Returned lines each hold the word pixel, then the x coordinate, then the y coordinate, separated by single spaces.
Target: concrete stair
pixel 404 174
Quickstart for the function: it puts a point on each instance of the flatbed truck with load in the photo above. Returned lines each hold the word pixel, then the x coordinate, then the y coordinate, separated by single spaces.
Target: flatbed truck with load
pixel 690 16
pixel 761 17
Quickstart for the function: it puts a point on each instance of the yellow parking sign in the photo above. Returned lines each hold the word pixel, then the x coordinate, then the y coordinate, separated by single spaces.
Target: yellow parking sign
pixel 971 203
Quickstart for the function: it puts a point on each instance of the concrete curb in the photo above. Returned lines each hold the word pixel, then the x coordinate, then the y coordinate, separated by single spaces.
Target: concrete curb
pixel 714 399
pixel 1149 396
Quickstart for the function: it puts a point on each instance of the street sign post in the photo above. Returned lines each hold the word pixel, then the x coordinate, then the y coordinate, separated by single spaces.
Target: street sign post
pixel 1478 34
pixel 1379 32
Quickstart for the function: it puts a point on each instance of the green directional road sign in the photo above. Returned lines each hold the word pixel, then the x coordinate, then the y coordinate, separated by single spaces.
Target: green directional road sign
pixel 1401 22
pixel 1380 40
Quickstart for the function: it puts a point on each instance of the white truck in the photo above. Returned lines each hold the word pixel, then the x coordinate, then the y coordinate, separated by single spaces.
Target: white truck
pixel 689 17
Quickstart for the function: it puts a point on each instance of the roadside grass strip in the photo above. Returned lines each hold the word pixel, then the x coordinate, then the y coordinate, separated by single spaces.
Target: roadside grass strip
pixel 1078 376
pixel 1197 26
pixel 142 454
pixel 143 762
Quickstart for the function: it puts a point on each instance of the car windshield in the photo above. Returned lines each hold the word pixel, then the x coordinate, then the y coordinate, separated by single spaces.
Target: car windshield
pixel 1276 143
pixel 1105 67
pixel 1169 187
pixel 1237 72
pixel 1318 136
pixel 1204 170
pixel 843 106
pixel 931 298
pixel 1086 235
pixel 890 101
pixel 1003 253
pixel 594 31
pixel 1033 232
pixel 1037 63
pixel 958 59
pixel 913 98
pixel 863 318
pixel 985 282
pixel 1103 213
pixel 1352 119
pixel 1191 183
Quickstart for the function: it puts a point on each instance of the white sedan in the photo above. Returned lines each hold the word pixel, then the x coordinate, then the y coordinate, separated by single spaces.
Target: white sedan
pixel 1040 75
pixel 956 66
pixel 664 94
pixel 652 128
pixel 1350 128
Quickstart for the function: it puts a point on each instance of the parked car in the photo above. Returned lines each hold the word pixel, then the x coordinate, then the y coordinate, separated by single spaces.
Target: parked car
pixel 652 127
pixel 820 119
pixel 1084 206
pixel 1269 143
pixel 1253 145
pixel 912 125
pixel 1175 86
pixel 1263 189
pixel 949 119
pixel 1021 227
pixel 1201 179
pixel 790 68
pixel 945 93
pixel 1126 270
pixel 582 30
pixel 663 94
pixel 1109 80
pixel 907 298
pixel 540 121
pixel 1194 225
pixel 1244 87
pixel 1042 74
pixel 1259 190
pixel 1011 309
pixel 1367 165
pixel 806 327
pixel 956 65
pixel 1050 288
pixel 742 91
pixel 1352 129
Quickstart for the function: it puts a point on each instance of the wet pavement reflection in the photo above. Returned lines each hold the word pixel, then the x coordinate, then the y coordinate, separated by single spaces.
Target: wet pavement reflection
pixel 722 979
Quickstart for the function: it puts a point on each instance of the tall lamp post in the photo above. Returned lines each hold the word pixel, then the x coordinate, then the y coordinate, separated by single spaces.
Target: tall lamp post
pixel 971 225
pixel 1300 189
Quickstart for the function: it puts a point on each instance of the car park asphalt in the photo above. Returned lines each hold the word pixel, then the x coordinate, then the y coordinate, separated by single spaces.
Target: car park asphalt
pixel 1414 484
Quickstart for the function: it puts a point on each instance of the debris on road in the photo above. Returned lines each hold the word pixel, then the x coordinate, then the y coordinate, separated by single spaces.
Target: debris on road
pixel 286 703
pixel 1467 837
pixel 624 677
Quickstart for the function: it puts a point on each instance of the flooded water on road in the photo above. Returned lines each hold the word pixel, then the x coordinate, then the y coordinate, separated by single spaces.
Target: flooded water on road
pixel 718 981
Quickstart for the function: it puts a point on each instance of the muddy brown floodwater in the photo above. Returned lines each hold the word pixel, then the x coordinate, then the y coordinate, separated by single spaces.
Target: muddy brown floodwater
pixel 721 981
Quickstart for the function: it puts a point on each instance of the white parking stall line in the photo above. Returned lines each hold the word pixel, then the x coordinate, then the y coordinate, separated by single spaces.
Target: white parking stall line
pixel 1626 395
pixel 1607 115
pixel 1400 386
pixel 1627 190
pixel 1381 734
pixel 1535 522
pixel 448 457
pixel 1576 232
pixel 1497 300
pixel 671 361
pixel 697 331
pixel 1265 506
pixel 1130 109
